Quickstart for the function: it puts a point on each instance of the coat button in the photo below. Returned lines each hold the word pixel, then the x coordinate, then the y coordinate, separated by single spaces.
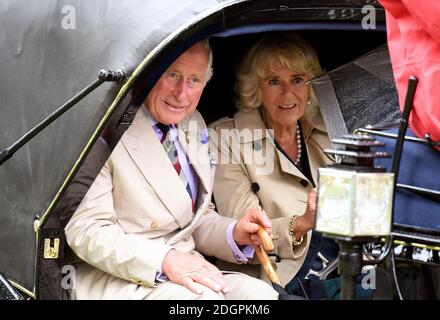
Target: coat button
pixel 154 224
pixel 255 187
pixel 304 183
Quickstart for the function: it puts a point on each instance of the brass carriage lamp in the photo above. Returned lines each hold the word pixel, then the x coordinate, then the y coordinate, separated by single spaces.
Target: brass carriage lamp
pixel 355 197
pixel 354 203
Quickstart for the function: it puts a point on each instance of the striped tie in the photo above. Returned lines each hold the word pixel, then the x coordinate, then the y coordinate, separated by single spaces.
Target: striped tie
pixel 171 151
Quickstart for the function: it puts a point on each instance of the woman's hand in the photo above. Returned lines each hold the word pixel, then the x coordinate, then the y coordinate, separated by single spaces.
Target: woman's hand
pixel 306 222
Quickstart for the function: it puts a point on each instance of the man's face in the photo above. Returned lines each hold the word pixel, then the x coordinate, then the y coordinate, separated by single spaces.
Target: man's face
pixel 177 93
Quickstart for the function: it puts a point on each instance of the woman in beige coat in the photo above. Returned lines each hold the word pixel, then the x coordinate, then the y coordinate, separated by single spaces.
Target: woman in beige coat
pixel 269 152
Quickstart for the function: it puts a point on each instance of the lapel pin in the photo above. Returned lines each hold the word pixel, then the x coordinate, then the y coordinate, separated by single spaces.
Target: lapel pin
pixel 204 136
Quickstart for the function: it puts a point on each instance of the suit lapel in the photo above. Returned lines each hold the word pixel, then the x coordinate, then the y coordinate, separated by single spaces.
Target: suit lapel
pixel 147 152
pixel 189 133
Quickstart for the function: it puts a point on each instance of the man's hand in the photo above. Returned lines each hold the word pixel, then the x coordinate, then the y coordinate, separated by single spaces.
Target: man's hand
pixel 187 269
pixel 245 231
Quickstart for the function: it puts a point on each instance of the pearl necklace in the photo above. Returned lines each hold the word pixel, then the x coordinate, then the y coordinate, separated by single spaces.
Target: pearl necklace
pixel 298 144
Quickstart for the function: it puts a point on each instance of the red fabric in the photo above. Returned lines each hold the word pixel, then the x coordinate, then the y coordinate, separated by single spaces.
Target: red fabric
pixel 413 31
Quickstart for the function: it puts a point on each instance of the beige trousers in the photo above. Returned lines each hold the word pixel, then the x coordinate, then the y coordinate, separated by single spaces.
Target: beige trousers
pixel 94 284
pixel 242 287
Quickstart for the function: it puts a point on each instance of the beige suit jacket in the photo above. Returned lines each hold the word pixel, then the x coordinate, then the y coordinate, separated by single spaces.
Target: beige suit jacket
pixel 137 208
pixel 283 189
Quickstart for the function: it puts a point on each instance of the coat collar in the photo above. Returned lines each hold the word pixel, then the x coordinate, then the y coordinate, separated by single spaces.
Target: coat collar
pixel 189 132
pixel 252 120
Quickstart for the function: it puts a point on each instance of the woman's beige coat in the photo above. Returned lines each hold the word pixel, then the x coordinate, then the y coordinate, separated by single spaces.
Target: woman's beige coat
pixel 248 156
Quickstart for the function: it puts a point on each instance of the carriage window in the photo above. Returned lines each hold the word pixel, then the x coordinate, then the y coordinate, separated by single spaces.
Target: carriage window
pixel 334 47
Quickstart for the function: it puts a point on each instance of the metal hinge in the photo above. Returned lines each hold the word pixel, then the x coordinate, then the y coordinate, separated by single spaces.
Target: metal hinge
pixel 51 252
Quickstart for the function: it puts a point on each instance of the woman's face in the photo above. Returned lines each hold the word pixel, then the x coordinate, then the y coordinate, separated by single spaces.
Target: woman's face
pixel 284 95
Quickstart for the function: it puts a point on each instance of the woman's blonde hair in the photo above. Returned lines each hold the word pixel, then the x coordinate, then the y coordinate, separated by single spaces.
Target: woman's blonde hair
pixel 291 51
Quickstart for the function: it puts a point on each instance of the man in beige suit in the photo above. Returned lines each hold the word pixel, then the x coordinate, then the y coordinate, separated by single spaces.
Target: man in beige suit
pixel 147 219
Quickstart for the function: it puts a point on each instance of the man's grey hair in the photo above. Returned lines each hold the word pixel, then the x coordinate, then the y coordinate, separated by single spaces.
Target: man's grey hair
pixel 209 70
